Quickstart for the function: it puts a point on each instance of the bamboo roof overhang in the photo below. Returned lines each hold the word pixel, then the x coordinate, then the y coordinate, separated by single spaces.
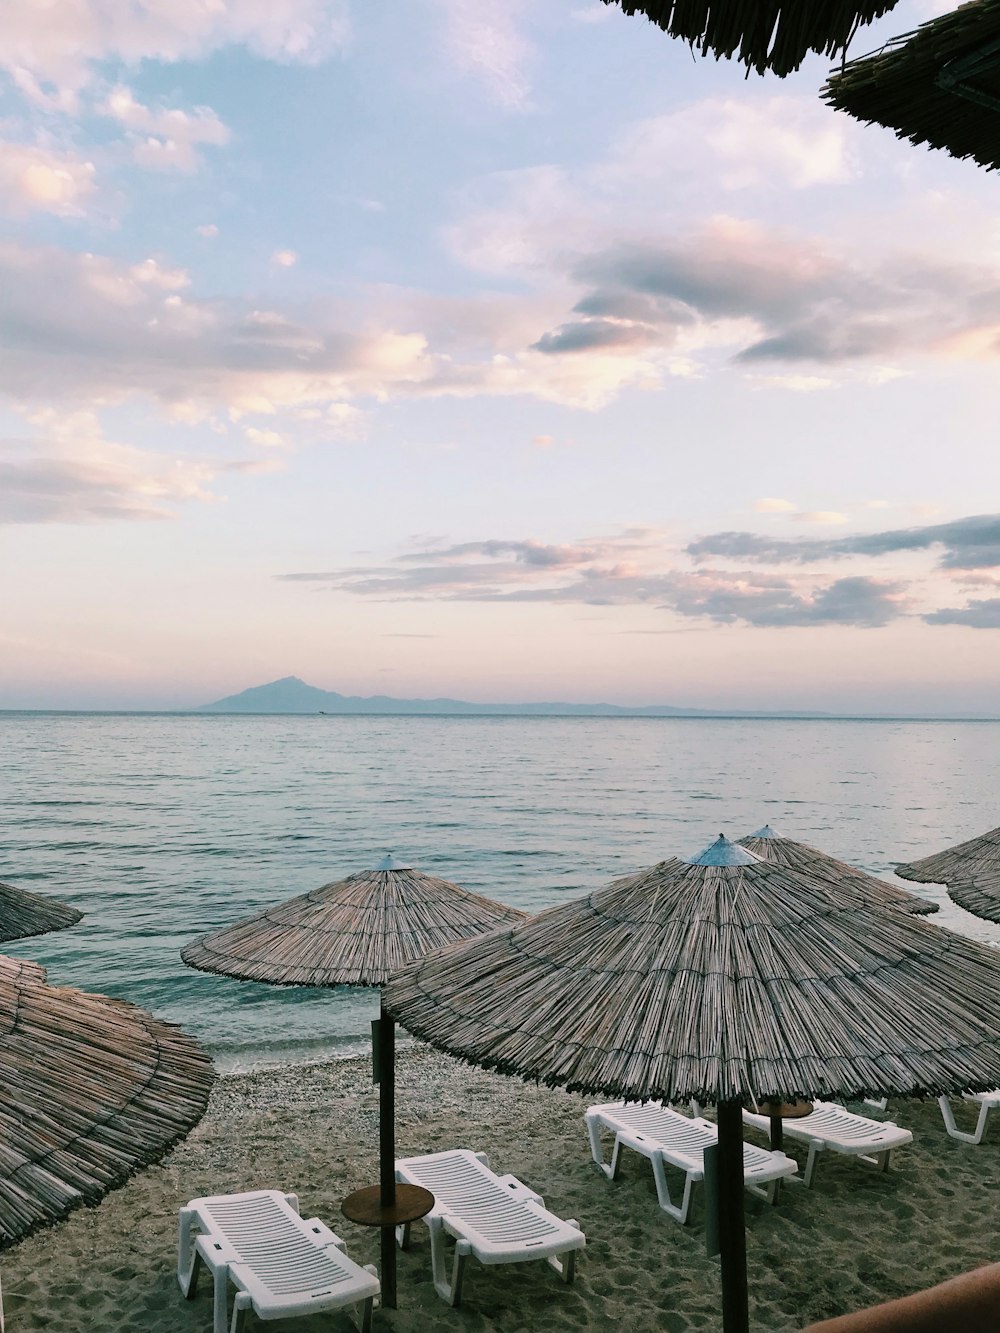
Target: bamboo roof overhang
pixel 765 35
pixel 91 1091
pixel 970 870
pixel 354 932
pixel 719 982
pixel 23 914
pixel 938 85
pixel 771 846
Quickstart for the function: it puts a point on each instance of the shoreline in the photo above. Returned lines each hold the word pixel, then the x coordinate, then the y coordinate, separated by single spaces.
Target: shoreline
pixel 855 1238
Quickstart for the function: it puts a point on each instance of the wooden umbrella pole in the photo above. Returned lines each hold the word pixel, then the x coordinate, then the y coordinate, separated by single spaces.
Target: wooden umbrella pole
pixel 386 1070
pixel 732 1231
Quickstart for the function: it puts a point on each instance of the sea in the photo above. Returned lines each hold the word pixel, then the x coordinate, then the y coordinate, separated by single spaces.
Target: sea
pixel 160 827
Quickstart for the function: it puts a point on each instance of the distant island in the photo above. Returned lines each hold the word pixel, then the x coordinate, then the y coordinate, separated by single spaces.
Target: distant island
pixel 291 695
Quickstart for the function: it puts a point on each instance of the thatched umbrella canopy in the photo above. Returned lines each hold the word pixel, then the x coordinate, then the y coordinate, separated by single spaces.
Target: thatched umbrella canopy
pixel 92 1090
pixel 23 914
pixel 771 846
pixel 356 932
pixel 725 978
pixel 773 35
pixel 938 85
pixel 971 871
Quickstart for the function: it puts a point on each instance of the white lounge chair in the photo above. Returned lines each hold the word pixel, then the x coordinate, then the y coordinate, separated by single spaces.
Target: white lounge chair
pixel 988 1101
pixel 831 1126
pixel 281 1264
pixel 666 1136
pixel 495 1218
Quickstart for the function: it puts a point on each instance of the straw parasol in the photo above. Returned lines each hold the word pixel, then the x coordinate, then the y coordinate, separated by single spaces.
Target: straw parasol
pixel 771 846
pixel 773 35
pixel 93 1089
pixel 23 914
pixel 971 871
pixel 938 85
pixel 355 932
pixel 724 979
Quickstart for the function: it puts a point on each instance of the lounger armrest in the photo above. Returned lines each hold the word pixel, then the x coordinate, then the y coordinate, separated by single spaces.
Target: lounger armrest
pixel 324 1236
pixel 215 1249
pixel 519 1190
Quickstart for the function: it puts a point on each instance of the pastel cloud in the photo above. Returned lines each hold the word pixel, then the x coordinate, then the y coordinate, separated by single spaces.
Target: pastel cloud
pixel 35 178
pixel 983 613
pixel 487 42
pixel 68 472
pixel 624 571
pixel 962 544
pixel 166 139
pixel 58 45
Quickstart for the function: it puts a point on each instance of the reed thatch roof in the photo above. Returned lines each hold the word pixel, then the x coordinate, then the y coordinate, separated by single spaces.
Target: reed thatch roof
pixel 716 981
pixel 938 85
pixel 91 1090
pixel 771 846
pixel 971 871
pixel 23 914
pixel 773 35
pixel 353 932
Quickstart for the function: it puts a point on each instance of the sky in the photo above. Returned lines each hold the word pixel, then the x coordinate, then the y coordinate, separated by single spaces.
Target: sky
pixel 509 353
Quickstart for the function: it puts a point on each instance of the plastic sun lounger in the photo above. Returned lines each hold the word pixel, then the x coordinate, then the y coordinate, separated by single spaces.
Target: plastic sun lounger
pixel 667 1137
pixel 495 1218
pixel 281 1264
pixel 831 1126
pixel 988 1101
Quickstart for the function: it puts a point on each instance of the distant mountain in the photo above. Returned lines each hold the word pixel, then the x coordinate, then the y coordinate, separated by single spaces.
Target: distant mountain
pixel 291 695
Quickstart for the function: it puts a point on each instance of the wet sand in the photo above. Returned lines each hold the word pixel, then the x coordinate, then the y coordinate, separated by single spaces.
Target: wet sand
pixel 855 1238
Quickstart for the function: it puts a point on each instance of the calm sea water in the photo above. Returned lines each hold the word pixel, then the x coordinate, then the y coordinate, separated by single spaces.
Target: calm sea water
pixel 162 827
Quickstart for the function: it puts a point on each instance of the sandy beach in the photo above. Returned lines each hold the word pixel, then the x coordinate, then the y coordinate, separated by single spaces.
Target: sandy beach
pixel 856 1237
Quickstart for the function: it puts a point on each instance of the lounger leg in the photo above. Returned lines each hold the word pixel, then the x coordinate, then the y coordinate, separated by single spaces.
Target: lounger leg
pixel 188 1258
pixel 976 1136
pixel 448 1291
pixel 564 1264
pixel 807 1175
pixel 462 1251
pixel 663 1192
pixel 240 1307
pixel 220 1310
pixel 403 1236
pixel 596 1146
pixel 361 1311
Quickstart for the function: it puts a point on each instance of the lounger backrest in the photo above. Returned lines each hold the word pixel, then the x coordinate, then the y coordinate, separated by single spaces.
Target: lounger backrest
pixel 266 1233
pixel 464 1186
pixel 683 1135
pixel 844 1126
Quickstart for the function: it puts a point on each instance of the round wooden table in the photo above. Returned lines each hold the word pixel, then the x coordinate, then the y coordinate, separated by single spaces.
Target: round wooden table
pixel 365 1207
pixel 778 1111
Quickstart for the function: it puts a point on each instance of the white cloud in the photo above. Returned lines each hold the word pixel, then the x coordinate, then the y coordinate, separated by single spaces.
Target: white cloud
pixel 772 505
pixel 54 48
pixel 795 383
pixel 752 142
pixel 70 473
pixel 284 258
pixel 167 139
pixel 209 230
pixel 46 180
pixel 486 41
pixel 267 439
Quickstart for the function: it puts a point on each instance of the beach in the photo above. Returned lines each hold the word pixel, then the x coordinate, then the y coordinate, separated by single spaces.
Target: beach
pixel 856 1237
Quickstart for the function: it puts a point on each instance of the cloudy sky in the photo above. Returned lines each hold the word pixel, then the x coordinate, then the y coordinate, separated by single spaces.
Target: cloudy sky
pixel 499 351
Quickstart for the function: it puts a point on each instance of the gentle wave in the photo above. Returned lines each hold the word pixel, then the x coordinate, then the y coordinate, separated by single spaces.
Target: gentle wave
pixel 161 828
